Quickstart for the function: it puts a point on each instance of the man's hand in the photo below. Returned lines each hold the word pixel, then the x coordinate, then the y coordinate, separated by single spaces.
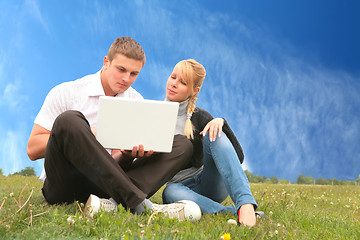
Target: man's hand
pixel 93 130
pixel 125 158
pixel 137 152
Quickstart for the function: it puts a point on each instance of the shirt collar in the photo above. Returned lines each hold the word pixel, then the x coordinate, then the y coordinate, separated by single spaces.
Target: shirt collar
pixel 95 88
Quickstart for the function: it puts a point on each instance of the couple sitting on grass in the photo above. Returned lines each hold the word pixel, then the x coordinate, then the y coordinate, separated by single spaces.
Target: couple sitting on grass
pixel 204 165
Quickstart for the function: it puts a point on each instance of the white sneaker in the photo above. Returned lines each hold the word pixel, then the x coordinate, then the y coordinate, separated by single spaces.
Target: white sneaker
pixel 182 210
pixel 95 204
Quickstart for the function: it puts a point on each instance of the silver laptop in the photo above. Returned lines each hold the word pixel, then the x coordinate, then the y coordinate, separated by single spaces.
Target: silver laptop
pixel 124 123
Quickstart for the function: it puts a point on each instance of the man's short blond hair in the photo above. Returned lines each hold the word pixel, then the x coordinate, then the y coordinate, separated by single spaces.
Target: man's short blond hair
pixel 127 47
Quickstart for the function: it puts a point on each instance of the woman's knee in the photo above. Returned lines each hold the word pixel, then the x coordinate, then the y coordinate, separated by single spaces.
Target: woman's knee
pixel 167 193
pixel 173 192
pixel 221 143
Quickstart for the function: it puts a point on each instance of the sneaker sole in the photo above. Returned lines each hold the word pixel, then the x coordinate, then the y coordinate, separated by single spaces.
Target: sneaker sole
pixel 192 211
pixel 92 206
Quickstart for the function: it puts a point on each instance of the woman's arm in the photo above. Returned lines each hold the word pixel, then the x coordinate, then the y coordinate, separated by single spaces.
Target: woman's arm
pixel 202 118
pixel 214 127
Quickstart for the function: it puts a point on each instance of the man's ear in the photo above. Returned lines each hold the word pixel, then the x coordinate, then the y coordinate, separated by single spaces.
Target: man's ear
pixel 106 62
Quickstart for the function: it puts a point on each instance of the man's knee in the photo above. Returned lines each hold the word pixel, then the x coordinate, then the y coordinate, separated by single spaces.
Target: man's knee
pixel 68 116
pixel 68 119
pixel 184 145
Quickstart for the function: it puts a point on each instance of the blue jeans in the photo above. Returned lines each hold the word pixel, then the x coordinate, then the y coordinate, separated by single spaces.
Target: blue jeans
pixel 222 176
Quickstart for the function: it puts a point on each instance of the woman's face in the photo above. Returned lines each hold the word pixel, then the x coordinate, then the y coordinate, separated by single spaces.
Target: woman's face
pixel 177 90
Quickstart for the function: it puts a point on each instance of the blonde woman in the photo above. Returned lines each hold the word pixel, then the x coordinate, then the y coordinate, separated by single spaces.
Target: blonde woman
pixel 215 168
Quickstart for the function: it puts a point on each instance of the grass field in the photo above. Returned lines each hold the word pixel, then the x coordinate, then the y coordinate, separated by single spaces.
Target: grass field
pixel 292 212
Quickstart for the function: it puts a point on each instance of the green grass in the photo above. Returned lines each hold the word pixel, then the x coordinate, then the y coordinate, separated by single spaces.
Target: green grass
pixel 292 212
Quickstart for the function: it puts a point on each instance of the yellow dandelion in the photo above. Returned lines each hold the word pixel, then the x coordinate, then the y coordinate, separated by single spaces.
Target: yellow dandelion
pixel 226 236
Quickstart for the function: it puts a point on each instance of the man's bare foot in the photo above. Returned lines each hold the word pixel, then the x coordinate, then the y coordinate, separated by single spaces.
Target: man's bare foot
pixel 247 215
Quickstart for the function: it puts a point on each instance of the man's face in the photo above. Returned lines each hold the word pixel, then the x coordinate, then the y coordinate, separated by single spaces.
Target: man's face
pixel 119 74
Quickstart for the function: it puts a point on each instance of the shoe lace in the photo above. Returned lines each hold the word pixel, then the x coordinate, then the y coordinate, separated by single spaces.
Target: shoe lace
pixel 173 211
pixel 107 205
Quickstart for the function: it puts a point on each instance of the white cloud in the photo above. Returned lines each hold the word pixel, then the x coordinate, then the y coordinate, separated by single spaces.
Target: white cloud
pixel 13 98
pixel 2 74
pixel 12 149
pixel 13 143
pixel 32 8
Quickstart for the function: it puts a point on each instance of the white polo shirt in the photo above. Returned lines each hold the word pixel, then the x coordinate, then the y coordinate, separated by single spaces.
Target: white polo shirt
pixel 81 95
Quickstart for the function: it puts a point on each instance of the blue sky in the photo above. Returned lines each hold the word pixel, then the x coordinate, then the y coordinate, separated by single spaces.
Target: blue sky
pixel 285 74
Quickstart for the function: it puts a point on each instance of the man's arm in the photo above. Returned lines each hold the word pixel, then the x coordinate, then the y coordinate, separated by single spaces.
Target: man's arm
pixel 37 142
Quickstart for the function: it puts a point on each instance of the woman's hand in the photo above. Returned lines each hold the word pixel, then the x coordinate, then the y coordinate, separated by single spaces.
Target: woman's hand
pixel 247 215
pixel 214 127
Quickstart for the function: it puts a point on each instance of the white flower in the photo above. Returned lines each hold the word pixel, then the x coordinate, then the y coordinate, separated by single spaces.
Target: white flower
pixel 276 232
pixel 232 222
pixel 11 194
pixel 315 205
pixel 70 220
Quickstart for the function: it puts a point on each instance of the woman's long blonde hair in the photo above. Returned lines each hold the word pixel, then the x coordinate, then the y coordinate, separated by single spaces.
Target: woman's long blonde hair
pixel 193 73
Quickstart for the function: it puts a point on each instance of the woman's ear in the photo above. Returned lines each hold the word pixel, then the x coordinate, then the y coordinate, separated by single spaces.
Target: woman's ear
pixel 196 90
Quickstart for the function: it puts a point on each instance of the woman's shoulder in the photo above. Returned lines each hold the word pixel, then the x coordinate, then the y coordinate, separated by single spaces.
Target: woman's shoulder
pixel 200 117
pixel 199 112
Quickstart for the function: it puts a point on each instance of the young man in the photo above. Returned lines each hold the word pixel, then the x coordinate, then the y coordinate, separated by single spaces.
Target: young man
pixel 77 166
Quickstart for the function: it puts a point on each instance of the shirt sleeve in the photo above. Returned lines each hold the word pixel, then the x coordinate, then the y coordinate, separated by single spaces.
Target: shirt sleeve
pixel 56 102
